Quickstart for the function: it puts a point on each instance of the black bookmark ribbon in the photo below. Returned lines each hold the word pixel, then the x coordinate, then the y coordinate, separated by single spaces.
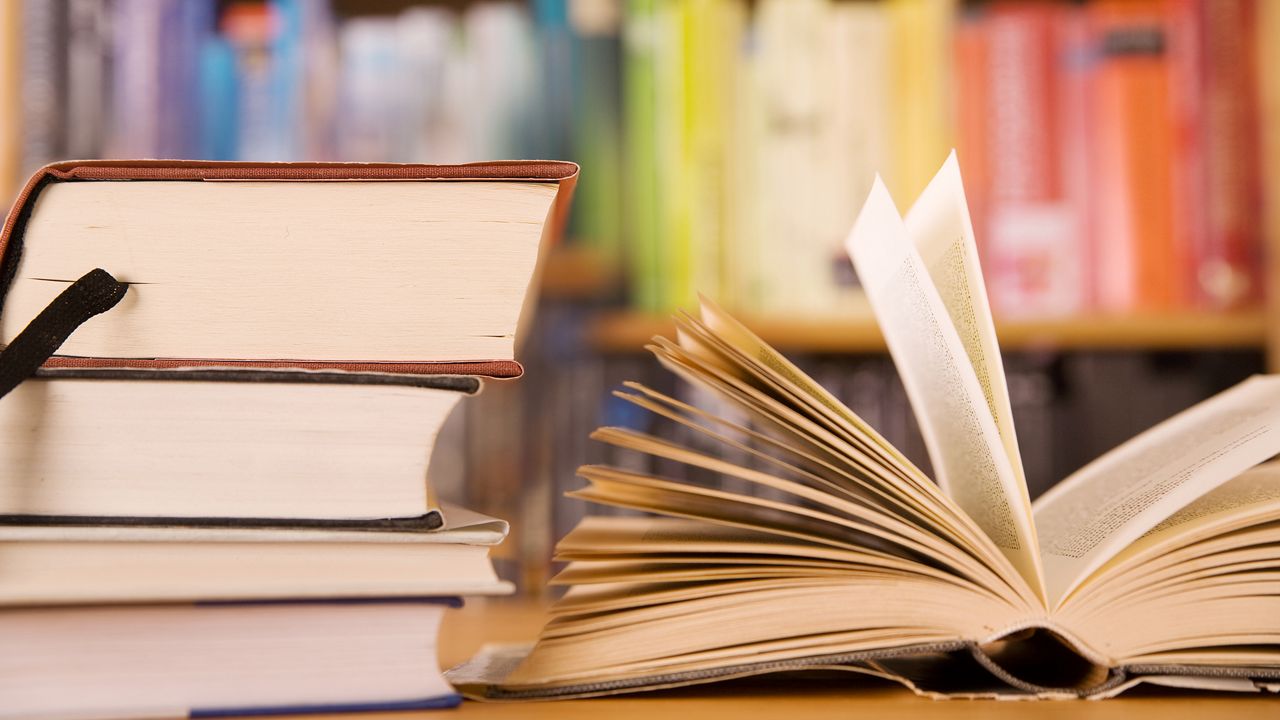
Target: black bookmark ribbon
pixel 93 294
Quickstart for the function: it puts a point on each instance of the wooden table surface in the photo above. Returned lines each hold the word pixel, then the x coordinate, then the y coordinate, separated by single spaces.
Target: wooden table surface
pixel 512 621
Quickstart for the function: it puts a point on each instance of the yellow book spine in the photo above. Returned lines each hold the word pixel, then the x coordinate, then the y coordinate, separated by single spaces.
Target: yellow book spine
pixel 921 91
pixel 10 98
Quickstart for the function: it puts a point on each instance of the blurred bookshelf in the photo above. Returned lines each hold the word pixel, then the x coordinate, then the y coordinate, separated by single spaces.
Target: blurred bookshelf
pixel 1121 160
pixel 576 272
pixel 616 332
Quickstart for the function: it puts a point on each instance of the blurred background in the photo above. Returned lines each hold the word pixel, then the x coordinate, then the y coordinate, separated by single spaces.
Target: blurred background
pixel 1118 158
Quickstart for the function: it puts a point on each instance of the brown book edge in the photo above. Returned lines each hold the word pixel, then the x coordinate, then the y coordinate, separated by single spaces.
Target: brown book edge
pixel 564 174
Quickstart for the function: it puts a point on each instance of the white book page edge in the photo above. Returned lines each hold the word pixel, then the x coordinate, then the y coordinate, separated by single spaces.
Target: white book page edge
pixel 1110 503
pixel 942 232
pixel 964 444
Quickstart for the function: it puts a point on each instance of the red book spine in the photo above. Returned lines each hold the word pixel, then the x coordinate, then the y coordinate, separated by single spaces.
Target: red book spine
pixel 970 49
pixel 1185 43
pixel 1228 258
pixel 1074 63
pixel 1034 243
pixel 1136 260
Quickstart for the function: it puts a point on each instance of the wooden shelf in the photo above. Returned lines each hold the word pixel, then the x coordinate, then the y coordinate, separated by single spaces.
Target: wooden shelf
pixel 622 331
pixel 577 273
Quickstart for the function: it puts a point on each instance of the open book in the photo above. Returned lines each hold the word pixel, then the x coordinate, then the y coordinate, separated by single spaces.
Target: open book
pixel 1158 562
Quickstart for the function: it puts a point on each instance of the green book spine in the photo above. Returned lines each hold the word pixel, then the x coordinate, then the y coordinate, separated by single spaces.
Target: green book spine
pixel 642 209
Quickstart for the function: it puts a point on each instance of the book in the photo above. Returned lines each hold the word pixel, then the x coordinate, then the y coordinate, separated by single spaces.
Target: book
pixel 216 447
pixel 1152 564
pixel 1268 94
pixel 177 621
pixel 64 565
pixel 358 267
pixel 919 68
pixel 88 81
pixel 1033 240
pixel 1227 254
pixel 1138 266
pixel 643 42
pixel 590 63
pixel 11 45
pixel 222 659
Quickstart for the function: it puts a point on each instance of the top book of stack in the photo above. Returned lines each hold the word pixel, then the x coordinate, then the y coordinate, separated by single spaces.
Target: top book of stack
pixel 416 269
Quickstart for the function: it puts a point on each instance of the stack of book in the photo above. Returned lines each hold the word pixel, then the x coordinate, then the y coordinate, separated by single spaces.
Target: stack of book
pixel 215 497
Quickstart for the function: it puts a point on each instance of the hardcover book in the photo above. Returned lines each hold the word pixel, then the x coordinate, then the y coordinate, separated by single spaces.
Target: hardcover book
pixel 266 448
pixel 222 659
pixel 420 269
pixel 1155 563
pixel 65 565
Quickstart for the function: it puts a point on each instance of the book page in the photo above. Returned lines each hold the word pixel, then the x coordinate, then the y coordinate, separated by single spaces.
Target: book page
pixel 1093 515
pixel 964 444
pixel 938 225
pixel 1253 494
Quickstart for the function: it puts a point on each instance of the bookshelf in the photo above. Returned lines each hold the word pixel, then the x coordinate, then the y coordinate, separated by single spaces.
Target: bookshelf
pixel 648 175
pixel 624 331
pixel 575 272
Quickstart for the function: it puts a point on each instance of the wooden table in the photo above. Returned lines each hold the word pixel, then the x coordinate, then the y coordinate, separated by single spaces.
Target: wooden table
pixel 511 621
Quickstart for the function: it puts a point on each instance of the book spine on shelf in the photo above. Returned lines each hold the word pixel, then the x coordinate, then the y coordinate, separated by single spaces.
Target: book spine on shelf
pixel 1266 29
pixel 1137 268
pixel 1074 61
pixel 643 202
pixel 1185 43
pixel 88 87
pixel 11 95
pixel 593 50
pixel 856 145
pixel 1228 258
pixel 42 79
pixel 794 73
pixel 1034 262
pixel 920 109
pixel 971 98
pixel 671 21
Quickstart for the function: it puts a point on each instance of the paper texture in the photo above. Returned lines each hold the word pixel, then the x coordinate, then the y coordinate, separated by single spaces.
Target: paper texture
pixel 939 227
pixel 1094 514
pixel 969 457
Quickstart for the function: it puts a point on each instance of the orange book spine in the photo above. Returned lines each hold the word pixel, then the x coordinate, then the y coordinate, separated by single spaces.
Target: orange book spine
pixel 970 49
pixel 1138 264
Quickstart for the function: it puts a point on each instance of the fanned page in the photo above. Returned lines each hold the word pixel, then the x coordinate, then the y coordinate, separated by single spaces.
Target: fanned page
pixel 1109 504
pixel 939 227
pixel 969 456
